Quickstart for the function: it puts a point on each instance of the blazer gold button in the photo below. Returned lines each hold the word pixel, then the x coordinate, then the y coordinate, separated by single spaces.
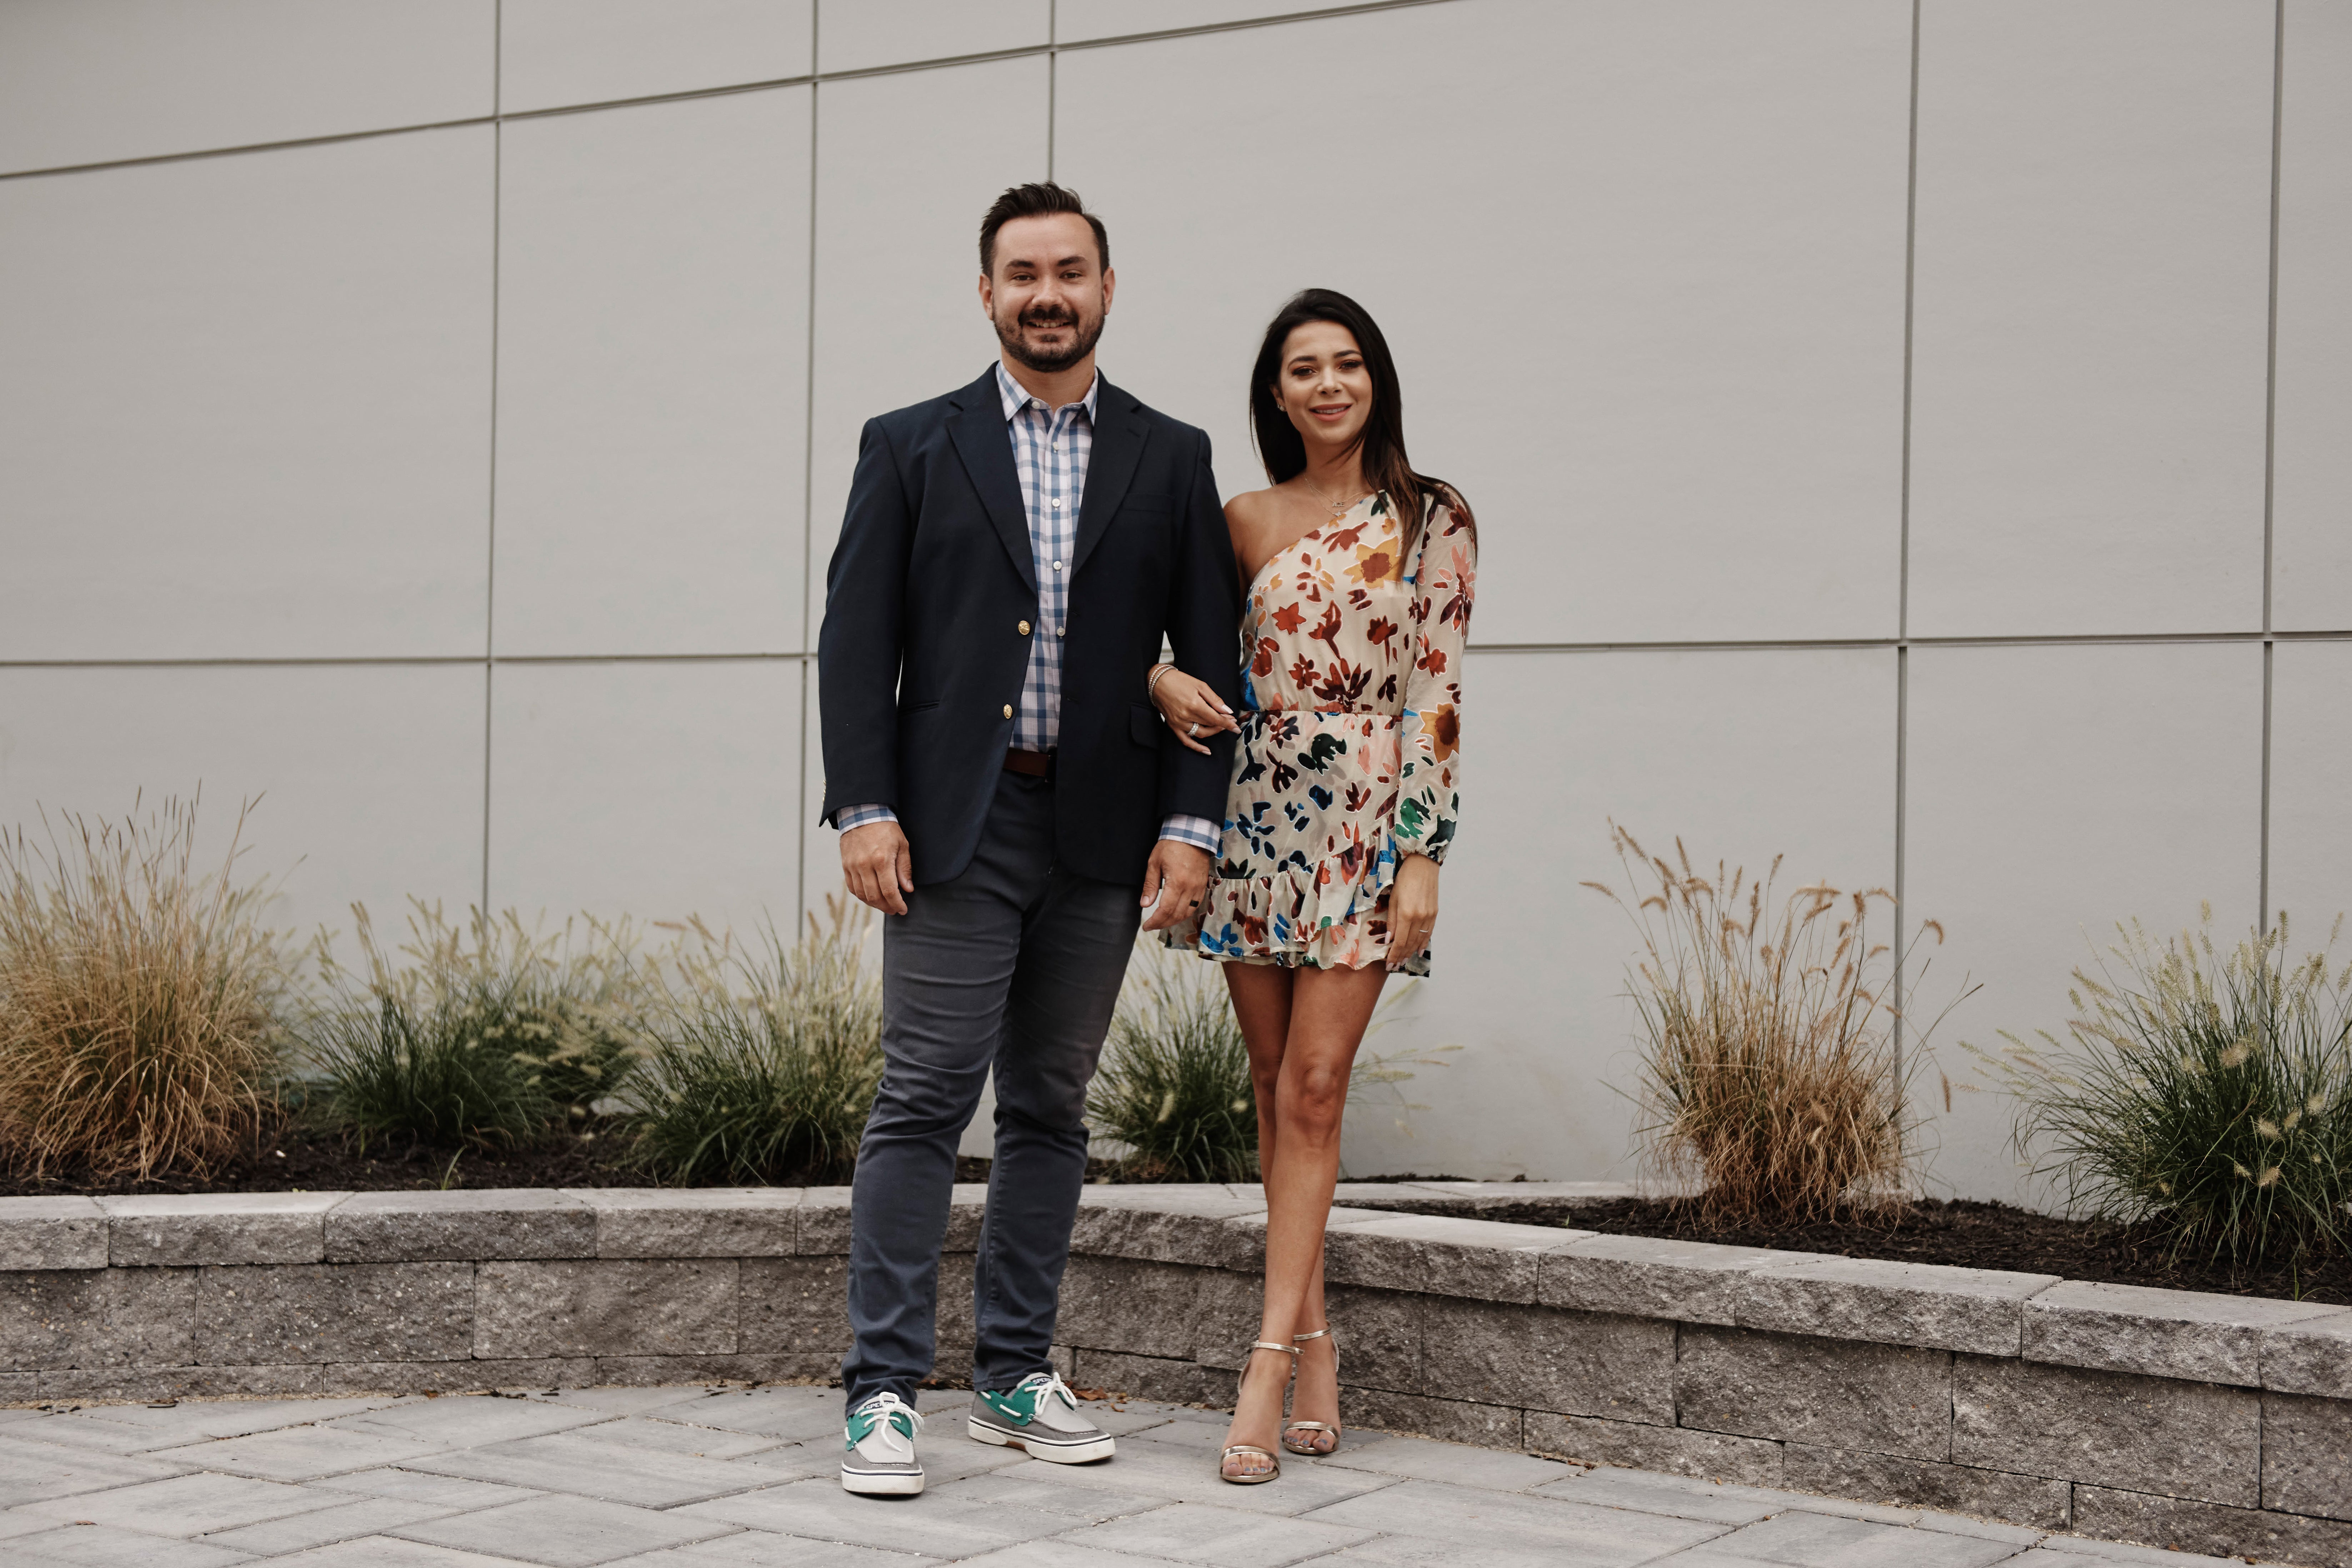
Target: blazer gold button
pixel 1024 629
pixel 1008 710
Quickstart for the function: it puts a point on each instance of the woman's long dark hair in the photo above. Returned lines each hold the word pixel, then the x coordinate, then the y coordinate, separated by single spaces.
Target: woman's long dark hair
pixel 1381 444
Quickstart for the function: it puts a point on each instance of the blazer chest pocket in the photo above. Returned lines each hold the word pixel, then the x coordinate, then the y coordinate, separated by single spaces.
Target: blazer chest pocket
pixel 1143 726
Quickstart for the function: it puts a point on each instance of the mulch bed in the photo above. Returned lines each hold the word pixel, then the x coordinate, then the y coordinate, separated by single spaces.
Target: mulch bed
pixel 1972 1235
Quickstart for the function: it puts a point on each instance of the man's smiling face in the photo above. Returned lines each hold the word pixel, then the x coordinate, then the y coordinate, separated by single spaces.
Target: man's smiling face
pixel 1047 291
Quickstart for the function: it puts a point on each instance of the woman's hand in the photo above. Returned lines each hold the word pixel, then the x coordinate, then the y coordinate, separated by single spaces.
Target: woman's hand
pixel 1412 909
pixel 1191 707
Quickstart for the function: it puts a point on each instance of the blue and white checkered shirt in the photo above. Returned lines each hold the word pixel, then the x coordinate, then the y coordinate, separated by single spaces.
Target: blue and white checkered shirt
pixel 1051 449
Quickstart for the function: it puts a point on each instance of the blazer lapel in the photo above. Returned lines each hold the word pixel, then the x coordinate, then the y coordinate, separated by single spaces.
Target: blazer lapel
pixel 977 427
pixel 1120 433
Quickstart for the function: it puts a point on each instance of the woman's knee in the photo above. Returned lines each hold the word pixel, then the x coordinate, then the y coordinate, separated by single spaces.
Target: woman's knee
pixel 1312 1101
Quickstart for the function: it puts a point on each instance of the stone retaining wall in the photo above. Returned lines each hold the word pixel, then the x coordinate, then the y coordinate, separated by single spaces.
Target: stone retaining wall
pixel 2214 1423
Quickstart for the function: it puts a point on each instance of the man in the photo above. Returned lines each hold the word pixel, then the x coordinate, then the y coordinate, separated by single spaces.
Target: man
pixel 1012 556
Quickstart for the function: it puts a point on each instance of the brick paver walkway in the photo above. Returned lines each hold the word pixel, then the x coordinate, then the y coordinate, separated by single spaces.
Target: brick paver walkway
pixel 698 1478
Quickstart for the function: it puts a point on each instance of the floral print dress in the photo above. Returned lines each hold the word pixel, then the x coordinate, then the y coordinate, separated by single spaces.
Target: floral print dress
pixel 1350 740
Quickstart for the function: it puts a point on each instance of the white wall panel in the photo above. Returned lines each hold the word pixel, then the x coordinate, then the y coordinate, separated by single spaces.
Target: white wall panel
pixel 658 790
pixel 2054 792
pixel 2311 586
pixel 1745 755
pixel 1641 267
pixel 2311 756
pixel 653 373
pixel 2092 309
pixel 860 34
pixel 1076 21
pixel 555 52
pixel 246 405
pixel 369 779
pixel 88 81
pixel 906 165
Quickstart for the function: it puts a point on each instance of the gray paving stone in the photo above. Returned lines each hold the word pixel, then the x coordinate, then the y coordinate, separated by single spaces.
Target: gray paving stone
pixel 793 1415
pixel 566 1462
pixel 794 1304
pixel 672 1432
pixel 227 1417
pixel 659 1306
pixel 659 1370
pixel 1055 1554
pixel 1962 1524
pixel 1417 1458
pixel 462 1376
pixel 156 1229
pixel 52 1319
pixel 2187 1335
pixel 1676 1450
pixel 932 1526
pixel 1221 1537
pixel 765 1549
pixel 1574 1533
pixel 466 1421
pixel 1886 1399
pixel 778 1463
pixel 184 1506
pixel 104 1546
pixel 1190 1475
pixel 2195 1439
pixel 384 1551
pixel 451 1492
pixel 459 1226
pixel 88 1429
pixel 2025 1500
pixel 60 1232
pixel 2076 1549
pixel 1646 1493
pixel 1643 1276
pixel 631 1401
pixel 32 1472
pixel 702 1222
pixel 1046 1495
pixel 562 1531
pixel 1579 1364
pixel 1425 1552
pixel 1929 1305
pixel 345 1519
pixel 300 1454
pixel 2308 1455
pixel 1824 1541
pixel 335 1312
pixel 1443 1255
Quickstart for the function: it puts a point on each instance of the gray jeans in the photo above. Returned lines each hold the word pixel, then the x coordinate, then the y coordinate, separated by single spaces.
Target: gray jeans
pixel 1014 965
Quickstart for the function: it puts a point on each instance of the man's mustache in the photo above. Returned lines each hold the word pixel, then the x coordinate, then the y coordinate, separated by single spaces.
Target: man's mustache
pixel 1049 319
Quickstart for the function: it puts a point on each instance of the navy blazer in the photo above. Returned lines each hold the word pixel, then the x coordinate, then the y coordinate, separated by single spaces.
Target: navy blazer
pixel 921 658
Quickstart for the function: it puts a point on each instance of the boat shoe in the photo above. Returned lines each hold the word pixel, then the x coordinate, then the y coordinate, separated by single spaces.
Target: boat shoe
pixel 877 1449
pixel 1039 1416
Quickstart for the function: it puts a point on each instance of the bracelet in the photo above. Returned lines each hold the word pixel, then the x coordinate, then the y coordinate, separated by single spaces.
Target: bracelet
pixel 1151 687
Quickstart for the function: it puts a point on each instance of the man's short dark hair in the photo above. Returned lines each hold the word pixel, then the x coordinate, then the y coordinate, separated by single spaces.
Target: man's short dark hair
pixel 1037 200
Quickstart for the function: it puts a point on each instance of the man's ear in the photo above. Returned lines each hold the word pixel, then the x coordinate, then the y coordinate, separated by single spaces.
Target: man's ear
pixel 987 297
pixel 1110 285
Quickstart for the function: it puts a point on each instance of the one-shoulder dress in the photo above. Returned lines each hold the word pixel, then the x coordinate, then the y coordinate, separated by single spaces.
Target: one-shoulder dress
pixel 1351 744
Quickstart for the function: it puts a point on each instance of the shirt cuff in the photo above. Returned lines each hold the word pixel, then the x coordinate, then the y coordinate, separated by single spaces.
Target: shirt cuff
pixel 1197 831
pixel 850 817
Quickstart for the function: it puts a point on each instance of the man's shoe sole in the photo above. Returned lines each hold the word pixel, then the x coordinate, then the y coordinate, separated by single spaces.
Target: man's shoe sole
pixel 882 1485
pixel 1053 1453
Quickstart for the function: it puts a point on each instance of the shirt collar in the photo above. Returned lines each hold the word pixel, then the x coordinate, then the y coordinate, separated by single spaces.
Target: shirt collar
pixel 1017 396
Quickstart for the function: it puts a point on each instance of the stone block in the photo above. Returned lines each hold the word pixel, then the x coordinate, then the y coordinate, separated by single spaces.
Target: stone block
pixel 2108 1428
pixel 646 1307
pixel 656 1371
pixel 1579 1364
pixel 52 1233
pixel 1751 1461
pixel 409 1377
pixel 1153 1377
pixel 2163 1333
pixel 1379 1335
pixel 465 1226
pixel 1482 1260
pixel 182 1381
pixel 335 1312
pixel 793 1306
pixel 1925 1304
pixel 1229 1307
pixel 1163 1225
pixel 1834 1393
pixel 2308 1455
pixel 694 1222
pixel 1125 1304
pixel 1448 1420
pixel 2312 1356
pixel 952 1325
pixel 54 1319
pixel 1643 1276
pixel 18 1387
pixel 2036 1500
pixel 2182 1525
pixel 159 1229
pixel 824 1220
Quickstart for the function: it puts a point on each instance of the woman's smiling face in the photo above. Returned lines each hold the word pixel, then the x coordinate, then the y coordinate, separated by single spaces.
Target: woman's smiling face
pixel 1323 387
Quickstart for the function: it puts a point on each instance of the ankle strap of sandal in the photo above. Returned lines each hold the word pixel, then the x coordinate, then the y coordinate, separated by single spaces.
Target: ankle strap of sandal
pixel 1319 1333
pixel 1290 1351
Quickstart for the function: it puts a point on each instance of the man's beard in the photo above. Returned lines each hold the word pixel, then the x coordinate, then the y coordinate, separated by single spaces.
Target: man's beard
pixel 1081 339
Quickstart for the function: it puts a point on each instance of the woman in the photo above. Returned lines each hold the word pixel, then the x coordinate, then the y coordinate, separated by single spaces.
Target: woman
pixel 1342 802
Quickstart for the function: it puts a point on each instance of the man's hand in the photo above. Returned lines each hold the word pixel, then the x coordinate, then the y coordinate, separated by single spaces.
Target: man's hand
pixel 879 865
pixel 1177 876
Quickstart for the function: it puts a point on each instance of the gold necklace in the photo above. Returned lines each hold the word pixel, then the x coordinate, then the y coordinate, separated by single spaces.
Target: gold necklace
pixel 1338 509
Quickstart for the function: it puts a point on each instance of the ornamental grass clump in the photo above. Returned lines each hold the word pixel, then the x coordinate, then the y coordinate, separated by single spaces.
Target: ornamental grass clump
pixel 2205 1095
pixel 138 999
pixel 489 1033
pixel 1175 1086
pixel 762 1061
pixel 1770 1079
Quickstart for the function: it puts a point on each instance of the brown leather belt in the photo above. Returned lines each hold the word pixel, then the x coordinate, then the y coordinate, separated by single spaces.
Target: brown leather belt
pixel 1036 764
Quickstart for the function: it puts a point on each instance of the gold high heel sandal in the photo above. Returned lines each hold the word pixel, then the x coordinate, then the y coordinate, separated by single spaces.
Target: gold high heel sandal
pixel 1252 1448
pixel 1308 1446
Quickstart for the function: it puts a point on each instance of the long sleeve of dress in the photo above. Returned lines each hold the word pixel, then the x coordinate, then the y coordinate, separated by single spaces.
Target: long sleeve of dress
pixel 1430 765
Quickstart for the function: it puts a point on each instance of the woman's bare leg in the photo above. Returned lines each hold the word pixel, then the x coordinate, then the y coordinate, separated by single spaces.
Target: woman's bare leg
pixel 1262 996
